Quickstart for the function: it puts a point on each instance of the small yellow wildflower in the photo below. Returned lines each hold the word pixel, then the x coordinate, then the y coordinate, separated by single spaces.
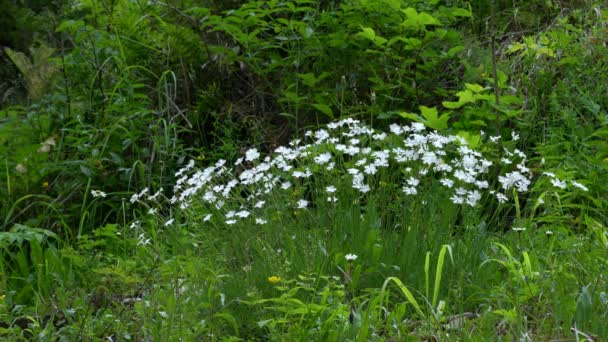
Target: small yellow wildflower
pixel 274 279
pixel 45 185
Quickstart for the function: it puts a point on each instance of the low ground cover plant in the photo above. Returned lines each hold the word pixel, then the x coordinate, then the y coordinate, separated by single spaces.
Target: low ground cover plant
pixel 350 170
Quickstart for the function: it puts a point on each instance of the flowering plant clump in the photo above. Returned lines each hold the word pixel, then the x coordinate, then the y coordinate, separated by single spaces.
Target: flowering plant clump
pixel 350 151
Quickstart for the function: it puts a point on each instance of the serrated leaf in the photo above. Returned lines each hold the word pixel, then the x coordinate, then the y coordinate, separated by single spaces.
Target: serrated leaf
pixel 428 113
pixel 464 97
pixel 429 117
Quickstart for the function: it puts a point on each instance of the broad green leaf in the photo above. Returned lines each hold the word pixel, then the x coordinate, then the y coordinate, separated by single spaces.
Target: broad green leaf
pixel 325 109
pixel 429 117
pixel 464 97
pixel 370 34
pixel 414 43
pixel 417 20
pixel 476 88
pixel 516 47
pixel 472 139
pixel 70 25
pixel 405 291
pixel 439 271
pixel 394 40
pixel 367 33
pixel 453 51
pixel 394 4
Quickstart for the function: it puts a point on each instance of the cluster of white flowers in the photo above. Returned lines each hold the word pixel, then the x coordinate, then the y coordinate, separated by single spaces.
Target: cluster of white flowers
pixel 352 151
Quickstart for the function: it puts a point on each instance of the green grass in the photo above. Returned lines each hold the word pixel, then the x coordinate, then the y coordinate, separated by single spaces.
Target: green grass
pixel 87 254
pixel 424 268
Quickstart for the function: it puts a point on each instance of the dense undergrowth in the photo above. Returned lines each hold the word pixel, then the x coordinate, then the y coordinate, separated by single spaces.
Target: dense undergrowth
pixel 303 170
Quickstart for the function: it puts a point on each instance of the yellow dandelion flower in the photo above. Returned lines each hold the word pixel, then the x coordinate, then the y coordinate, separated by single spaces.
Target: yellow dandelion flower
pixel 274 279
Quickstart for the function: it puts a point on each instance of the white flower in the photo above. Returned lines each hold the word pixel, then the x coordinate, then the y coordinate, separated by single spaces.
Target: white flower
pixel 155 196
pixel 430 158
pixel 358 183
pixel 350 257
pixel 259 204
pixel 579 185
pixel 361 162
pixel 473 197
pixel 364 188
pixel 352 150
pixel 252 154
pixel 417 127
pixel 522 167
pixel 323 158
pixel 242 214
pixel 230 222
pixel 220 163
pixel 516 179
pixel 457 199
pixel 142 241
pixel 300 174
pixel 330 189
pixel 286 185
pixel 207 217
pixel 370 169
pixel 410 190
pixel 321 135
pixel 482 184
pixel 515 136
pixel 395 129
pixel 98 193
pixel 302 204
pixel 518 229
pixel 379 136
pixel 413 181
pixel 501 198
pixel 170 222
pixel 558 183
pixel 135 198
pixel 260 221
